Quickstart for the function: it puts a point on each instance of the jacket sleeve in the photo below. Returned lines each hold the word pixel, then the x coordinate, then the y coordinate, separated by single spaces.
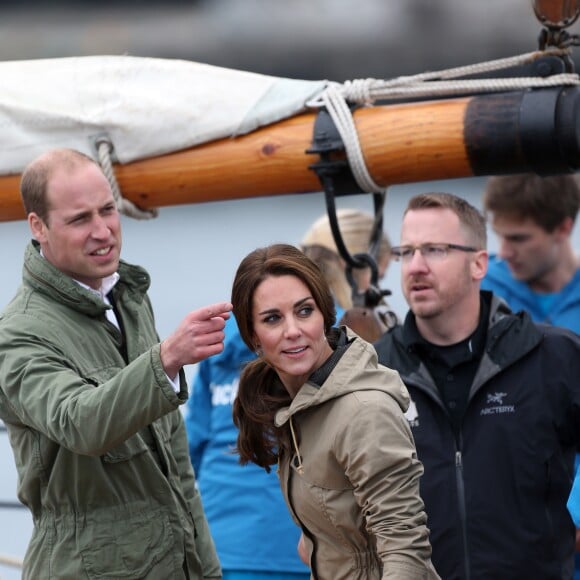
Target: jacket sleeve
pixel 46 392
pixel 198 417
pixel 378 453
pixel 203 541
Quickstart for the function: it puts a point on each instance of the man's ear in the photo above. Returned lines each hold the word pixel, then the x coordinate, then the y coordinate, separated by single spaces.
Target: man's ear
pixel 479 265
pixel 564 229
pixel 37 227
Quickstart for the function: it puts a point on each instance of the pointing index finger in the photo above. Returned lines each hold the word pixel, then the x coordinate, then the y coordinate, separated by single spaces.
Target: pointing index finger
pixel 221 309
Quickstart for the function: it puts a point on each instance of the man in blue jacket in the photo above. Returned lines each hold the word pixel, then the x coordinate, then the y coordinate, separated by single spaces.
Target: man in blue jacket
pixel 536 268
pixel 495 408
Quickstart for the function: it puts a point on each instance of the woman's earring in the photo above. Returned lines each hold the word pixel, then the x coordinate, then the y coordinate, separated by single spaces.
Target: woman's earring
pixel 259 351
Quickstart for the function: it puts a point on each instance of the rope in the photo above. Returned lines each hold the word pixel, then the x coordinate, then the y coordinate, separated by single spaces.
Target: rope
pixel 378 90
pixel 366 91
pixel 340 113
pixel 11 561
pixel 479 68
pixel 125 206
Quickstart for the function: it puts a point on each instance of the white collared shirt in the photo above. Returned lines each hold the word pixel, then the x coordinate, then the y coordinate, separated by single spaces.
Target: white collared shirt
pixel 107 284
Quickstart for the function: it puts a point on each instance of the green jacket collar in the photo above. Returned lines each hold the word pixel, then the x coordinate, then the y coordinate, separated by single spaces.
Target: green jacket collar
pixel 43 277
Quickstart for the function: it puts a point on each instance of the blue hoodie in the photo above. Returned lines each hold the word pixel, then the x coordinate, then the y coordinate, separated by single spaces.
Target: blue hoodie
pixel 563 310
pixel 247 515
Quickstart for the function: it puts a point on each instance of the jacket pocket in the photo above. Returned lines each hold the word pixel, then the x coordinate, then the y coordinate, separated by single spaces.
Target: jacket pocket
pixel 130 448
pixel 129 546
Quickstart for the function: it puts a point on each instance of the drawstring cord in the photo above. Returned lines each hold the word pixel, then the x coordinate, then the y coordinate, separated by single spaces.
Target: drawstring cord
pixel 299 467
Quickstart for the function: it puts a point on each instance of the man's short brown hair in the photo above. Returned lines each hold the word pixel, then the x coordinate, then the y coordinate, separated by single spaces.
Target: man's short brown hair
pixel 547 201
pixel 470 218
pixel 36 175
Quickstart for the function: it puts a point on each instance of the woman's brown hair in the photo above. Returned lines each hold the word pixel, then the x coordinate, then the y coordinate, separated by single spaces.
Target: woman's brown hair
pixel 261 393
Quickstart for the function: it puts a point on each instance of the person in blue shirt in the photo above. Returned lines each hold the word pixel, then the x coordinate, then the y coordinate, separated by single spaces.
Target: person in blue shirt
pixel 254 534
pixel 536 268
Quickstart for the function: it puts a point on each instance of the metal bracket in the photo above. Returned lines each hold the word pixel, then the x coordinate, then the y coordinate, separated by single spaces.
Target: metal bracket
pixel 336 178
pixel 333 169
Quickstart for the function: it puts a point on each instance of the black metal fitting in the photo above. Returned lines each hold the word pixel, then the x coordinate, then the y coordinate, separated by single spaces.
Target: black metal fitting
pixel 336 178
pixel 333 169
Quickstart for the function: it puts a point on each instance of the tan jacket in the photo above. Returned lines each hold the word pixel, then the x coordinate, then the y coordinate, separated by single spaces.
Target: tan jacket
pixel 352 483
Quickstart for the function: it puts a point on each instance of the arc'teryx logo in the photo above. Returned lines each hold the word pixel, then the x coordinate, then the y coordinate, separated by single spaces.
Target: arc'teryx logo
pixel 495 398
pixel 495 405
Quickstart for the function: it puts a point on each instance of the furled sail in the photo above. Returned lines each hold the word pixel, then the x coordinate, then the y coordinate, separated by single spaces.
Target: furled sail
pixel 183 132
pixel 146 106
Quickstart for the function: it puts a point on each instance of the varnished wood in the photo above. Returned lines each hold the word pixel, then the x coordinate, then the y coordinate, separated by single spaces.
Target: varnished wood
pixel 10 204
pixel 401 143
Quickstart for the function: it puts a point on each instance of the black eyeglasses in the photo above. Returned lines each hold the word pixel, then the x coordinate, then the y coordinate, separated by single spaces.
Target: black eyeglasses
pixel 431 252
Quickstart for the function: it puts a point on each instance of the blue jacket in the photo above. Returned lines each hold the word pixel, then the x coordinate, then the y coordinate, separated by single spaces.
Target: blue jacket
pixel 247 516
pixel 565 309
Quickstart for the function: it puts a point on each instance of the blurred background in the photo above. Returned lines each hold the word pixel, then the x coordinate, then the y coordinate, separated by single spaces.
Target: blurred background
pixel 310 39
pixel 192 251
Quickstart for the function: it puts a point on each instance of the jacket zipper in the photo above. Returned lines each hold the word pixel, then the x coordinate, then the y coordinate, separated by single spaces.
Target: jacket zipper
pixel 299 469
pixel 462 507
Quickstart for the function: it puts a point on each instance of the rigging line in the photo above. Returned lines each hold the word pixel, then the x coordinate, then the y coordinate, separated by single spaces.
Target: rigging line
pixel 467 86
pixel 125 206
pixel 11 505
pixel 366 91
pixel 473 69
pixel 340 113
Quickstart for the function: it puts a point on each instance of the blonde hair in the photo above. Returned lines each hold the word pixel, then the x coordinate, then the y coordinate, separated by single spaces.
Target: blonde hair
pixel 356 228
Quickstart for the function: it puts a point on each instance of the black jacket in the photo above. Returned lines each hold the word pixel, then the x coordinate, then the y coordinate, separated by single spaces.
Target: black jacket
pixel 496 494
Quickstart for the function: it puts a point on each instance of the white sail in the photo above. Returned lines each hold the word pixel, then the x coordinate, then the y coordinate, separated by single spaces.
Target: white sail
pixel 145 106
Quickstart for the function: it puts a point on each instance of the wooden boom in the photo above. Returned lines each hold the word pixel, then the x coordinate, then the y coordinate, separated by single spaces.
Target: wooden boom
pixel 534 130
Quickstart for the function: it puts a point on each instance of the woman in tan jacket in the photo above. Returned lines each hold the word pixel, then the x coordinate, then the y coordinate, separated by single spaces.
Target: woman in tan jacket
pixel 317 403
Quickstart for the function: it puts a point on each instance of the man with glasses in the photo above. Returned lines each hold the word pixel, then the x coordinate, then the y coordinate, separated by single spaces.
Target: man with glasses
pixel 495 404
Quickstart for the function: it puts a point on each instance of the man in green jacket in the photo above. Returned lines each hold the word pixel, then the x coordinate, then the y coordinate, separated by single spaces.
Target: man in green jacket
pixel 90 396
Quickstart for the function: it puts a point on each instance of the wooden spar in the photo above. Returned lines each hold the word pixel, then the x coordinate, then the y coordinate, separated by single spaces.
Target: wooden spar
pixel 402 143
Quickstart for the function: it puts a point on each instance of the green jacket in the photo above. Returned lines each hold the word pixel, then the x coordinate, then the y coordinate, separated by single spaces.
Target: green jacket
pixel 98 439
